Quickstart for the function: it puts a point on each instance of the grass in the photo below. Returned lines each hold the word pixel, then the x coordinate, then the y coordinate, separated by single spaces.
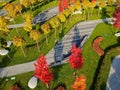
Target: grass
pixel 92 60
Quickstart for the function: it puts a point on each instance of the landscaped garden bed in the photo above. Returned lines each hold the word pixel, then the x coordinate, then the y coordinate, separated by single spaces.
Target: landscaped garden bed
pixel 63 75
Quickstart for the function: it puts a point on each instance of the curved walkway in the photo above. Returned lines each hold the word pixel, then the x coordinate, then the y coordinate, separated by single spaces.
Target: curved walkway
pixel 113 82
pixel 84 28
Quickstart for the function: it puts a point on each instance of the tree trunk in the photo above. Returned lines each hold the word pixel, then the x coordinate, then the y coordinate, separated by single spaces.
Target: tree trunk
pixel 48 88
pixel 55 33
pixel 75 72
pixel 46 39
pixel 38 46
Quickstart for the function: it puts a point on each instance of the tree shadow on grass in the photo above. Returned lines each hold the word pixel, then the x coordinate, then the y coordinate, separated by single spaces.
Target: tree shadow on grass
pixel 102 86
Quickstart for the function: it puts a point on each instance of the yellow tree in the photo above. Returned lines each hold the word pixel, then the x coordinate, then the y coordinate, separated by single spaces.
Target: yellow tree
pixel 4 26
pixel 27 26
pixel 92 5
pixel 101 5
pixel 77 5
pixel 55 23
pixel 25 3
pixel 28 22
pixel 18 42
pixel 46 29
pixel 11 12
pixel 62 19
pixel 32 1
pixel 66 13
pixel 85 5
pixel 34 34
pixel 18 8
pixel 110 2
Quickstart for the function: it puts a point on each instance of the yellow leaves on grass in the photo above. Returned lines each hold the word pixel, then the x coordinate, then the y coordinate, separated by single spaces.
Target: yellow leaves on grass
pixel 34 34
pixel 18 41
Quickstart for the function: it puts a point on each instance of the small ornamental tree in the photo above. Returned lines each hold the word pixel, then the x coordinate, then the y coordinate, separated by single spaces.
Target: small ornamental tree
pixel 72 2
pixel 76 59
pixel 65 4
pixel 62 19
pixel 116 15
pixel 34 34
pixel 18 41
pixel 80 83
pixel 55 23
pixel 46 30
pixel 42 70
pixel 60 6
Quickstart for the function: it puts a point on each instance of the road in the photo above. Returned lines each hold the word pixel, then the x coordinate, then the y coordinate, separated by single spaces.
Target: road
pixel 84 28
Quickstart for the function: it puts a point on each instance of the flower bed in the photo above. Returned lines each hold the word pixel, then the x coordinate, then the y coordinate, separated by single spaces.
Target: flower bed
pixel 96 47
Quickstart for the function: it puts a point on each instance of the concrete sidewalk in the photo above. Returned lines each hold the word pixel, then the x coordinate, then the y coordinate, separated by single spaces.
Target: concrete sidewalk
pixel 113 82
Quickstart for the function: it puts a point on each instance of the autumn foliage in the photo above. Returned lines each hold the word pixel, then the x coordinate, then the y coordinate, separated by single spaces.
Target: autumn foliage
pixel 76 59
pixel 42 70
pixel 96 46
pixel 80 83
pixel 116 15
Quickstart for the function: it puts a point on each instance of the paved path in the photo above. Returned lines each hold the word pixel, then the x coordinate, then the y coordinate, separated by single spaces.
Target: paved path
pixel 113 82
pixel 84 28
